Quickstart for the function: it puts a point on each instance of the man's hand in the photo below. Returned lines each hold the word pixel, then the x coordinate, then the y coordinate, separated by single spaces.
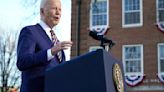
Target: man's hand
pixel 61 46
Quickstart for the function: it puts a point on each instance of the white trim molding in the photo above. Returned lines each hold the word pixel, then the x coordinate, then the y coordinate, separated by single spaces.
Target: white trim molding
pixel 140 10
pixel 157 12
pixel 135 77
pixel 91 14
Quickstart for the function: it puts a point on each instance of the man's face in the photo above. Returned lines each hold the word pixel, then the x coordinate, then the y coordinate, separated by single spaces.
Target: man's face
pixel 51 12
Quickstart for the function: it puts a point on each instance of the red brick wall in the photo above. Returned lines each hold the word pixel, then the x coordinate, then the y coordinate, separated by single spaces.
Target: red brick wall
pixel 148 34
pixel 83 27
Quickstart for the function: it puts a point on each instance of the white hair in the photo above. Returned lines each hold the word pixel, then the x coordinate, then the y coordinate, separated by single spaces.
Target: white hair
pixel 42 4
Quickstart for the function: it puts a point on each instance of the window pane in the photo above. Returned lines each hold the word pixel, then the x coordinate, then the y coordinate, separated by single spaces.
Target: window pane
pixel 133 66
pixel 104 19
pixel 132 59
pixel 161 15
pixel 132 53
pixel 161 51
pixel 99 20
pixel 99 7
pixel 99 13
pixel 132 12
pixel 160 3
pixel 132 5
pixel 94 20
pixel 162 65
pixel 126 5
pixel 132 18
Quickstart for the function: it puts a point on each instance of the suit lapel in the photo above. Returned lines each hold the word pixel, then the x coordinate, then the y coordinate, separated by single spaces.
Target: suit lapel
pixel 43 33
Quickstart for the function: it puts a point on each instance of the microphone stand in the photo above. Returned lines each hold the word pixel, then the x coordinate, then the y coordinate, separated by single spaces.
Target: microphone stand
pixel 105 41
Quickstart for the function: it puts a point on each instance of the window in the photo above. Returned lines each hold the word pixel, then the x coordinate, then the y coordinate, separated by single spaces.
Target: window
pixel 99 13
pixel 133 59
pixel 132 13
pixel 161 58
pixel 160 10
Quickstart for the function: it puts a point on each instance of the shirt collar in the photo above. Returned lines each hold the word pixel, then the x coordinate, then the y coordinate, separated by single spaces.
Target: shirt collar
pixel 44 26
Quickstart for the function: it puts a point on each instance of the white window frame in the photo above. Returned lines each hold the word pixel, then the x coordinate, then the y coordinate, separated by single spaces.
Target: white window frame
pixel 94 48
pixel 123 58
pixel 123 16
pixel 90 21
pixel 157 13
pixel 159 68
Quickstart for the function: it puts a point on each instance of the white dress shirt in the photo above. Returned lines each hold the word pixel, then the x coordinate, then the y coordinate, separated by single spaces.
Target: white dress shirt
pixel 47 30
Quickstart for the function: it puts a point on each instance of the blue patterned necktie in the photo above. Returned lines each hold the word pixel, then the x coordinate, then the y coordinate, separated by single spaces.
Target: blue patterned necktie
pixel 55 41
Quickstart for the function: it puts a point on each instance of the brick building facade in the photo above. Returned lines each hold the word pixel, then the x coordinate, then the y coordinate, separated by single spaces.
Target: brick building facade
pixel 133 27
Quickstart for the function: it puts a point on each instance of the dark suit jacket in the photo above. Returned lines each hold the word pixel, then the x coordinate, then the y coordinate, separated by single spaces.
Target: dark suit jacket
pixel 32 60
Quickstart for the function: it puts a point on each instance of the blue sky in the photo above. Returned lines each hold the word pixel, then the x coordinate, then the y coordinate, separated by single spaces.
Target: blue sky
pixel 12 14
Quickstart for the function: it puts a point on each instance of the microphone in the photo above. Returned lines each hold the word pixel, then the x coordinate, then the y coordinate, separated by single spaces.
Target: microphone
pixel 102 38
pixel 95 36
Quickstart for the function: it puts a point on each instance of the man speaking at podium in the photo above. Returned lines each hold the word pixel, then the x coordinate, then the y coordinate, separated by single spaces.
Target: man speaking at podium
pixel 39 49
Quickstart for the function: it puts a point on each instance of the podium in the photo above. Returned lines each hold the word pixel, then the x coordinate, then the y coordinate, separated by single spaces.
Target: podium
pixel 95 71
